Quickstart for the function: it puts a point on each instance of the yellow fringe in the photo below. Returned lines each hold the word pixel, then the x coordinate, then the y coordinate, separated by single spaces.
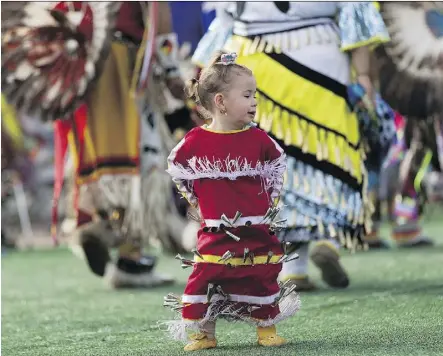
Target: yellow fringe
pixel 327 112
pixel 310 138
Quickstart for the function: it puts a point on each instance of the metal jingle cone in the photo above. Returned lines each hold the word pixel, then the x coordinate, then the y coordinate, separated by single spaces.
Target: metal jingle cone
pixel 281 293
pixel 193 217
pixel 236 217
pixel 288 291
pixel 195 251
pixel 179 257
pixel 292 257
pixel 251 257
pixel 268 213
pixel 270 254
pixel 226 256
pixel 221 291
pixel 275 213
pixel 245 254
pixel 184 260
pixel 251 308
pixel 211 292
pixel 230 234
pixel 282 258
pixel 226 220
pixel 283 285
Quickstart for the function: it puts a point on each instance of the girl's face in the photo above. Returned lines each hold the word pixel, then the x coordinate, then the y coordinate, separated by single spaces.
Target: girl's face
pixel 239 101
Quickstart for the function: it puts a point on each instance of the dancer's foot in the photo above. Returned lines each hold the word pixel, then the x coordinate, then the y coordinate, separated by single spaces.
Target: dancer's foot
pixel 139 273
pixel 419 241
pixel 200 341
pixel 327 259
pixel 88 244
pixel 378 244
pixel 268 337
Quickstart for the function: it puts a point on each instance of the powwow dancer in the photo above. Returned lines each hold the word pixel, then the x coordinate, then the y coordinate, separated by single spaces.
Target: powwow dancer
pixel 377 125
pixel 232 173
pixel 411 80
pixel 54 52
pixel 310 48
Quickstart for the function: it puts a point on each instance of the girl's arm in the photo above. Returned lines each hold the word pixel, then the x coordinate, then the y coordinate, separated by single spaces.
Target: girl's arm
pixel 178 170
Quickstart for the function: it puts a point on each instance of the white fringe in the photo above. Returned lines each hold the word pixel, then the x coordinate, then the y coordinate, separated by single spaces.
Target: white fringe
pixel 270 171
pixel 147 215
pixel 179 329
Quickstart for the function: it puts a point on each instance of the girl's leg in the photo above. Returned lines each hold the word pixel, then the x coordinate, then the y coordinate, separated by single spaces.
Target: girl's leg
pixel 196 307
pixel 204 339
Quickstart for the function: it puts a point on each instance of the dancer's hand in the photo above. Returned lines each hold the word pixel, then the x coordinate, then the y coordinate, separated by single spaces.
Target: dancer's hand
pixel 361 61
pixel 365 81
pixel 176 86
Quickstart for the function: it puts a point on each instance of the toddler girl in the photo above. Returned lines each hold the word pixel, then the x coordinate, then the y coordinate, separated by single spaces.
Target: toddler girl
pixel 232 172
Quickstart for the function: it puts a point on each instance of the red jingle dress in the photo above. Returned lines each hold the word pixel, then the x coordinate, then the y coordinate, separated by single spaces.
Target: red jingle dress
pixel 224 174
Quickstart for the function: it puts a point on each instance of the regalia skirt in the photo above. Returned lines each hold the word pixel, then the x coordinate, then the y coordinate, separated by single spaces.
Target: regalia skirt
pixel 229 281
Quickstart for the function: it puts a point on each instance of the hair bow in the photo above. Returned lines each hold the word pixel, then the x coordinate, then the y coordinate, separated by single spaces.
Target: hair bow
pixel 228 58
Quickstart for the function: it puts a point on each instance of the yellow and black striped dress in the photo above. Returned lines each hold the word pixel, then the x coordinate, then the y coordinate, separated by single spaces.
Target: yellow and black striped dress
pixel 298 54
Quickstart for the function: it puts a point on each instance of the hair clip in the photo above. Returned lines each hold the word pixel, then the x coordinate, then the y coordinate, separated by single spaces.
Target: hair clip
pixel 228 58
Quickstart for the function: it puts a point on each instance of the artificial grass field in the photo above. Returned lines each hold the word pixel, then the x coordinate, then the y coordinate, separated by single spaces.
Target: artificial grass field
pixel 52 305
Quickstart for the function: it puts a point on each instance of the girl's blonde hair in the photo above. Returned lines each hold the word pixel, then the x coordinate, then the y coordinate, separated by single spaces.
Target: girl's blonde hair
pixel 213 79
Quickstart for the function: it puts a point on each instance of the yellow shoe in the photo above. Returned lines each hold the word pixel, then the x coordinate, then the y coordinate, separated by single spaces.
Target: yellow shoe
pixel 200 342
pixel 268 337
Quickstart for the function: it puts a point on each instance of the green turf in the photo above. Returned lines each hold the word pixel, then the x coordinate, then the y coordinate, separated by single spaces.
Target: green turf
pixel 52 305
